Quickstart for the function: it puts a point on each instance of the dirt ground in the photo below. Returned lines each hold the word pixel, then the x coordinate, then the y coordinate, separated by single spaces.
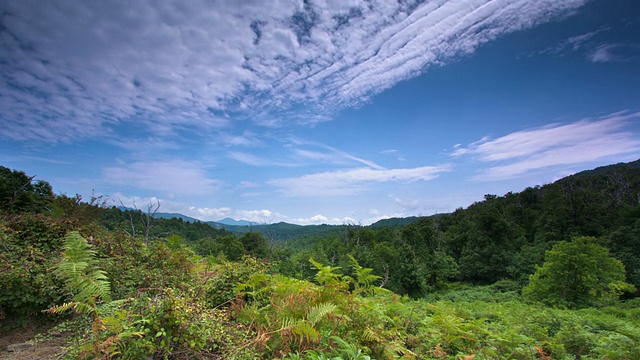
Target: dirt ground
pixel 50 349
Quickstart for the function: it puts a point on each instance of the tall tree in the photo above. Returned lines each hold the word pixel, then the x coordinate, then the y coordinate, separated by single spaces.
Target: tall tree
pixel 19 192
pixel 579 273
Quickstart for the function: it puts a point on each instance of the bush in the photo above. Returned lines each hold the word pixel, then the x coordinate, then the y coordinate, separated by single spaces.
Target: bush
pixel 577 274
pixel 31 245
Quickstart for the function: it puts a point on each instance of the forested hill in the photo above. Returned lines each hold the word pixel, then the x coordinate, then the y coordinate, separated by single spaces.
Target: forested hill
pixel 485 280
pixel 501 237
pixel 503 231
pixel 283 232
pixel 613 185
pixel 507 235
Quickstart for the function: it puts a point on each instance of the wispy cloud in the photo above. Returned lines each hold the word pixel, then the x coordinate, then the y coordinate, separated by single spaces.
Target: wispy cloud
pixel 555 145
pixel 246 139
pixel 615 52
pixel 318 152
pixel 255 160
pixel 595 49
pixel 73 69
pixel 574 43
pixel 169 177
pixel 394 152
pixel 351 181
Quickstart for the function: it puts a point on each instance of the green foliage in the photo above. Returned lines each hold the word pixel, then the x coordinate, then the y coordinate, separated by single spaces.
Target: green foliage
pixel 221 278
pixel 579 273
pixel 19 193
pixel 170 324
pixel 294 315
pixel 87 283
pixel 327 275
pixel 344 351
pixel 29 247
pixel 228 245
pixel 173 304
pixel 255 244
pixel 82 277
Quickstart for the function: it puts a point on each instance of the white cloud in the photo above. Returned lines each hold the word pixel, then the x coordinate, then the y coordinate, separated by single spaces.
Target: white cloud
pixel 170 177
pixel 248 185
pixel 213 214
pixel 343 182
pixel 260 216
pixel 247 139
pixel 574 43
pixel 606 53
pixel 327 154
pixel 316 219
pixel 254 160
pixel 555 145
pixel 74 69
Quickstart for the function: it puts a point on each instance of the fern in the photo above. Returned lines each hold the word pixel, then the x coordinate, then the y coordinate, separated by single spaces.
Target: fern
pixel 320 311
pixel 84 280
pixel 82 277
pixel 305 332
pixel 326 274
pixel 350 351
pixel 363 276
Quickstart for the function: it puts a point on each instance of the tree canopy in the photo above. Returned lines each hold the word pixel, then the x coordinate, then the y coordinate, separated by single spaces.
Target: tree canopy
pixel 579 273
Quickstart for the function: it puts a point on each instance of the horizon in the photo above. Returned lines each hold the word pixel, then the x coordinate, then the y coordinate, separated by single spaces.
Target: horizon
pixel 316 112
pixel 219 221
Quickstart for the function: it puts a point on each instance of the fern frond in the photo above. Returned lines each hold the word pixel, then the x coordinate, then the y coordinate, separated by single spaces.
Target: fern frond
pixel 81 275
pixel 326 274
pixel 287 323
pixel 59 309
pixel 370 335
pixel 305 332
pixel 320 311
pixel 363 275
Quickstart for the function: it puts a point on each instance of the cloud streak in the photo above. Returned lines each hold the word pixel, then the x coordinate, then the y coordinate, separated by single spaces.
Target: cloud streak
pixel 554 145
pixel 72 69
pixel 171 177
pixel 351 181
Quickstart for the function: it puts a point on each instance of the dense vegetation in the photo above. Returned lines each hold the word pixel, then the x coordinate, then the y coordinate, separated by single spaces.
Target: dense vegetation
pixel 530 275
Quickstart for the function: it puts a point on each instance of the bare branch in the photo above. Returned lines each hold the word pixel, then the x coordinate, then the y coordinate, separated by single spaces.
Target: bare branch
pixel 133 227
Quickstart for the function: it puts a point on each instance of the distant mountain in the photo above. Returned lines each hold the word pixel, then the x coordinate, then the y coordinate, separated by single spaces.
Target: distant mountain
pixel 176 216
pixel 161 215
pixel 394 222
pixel 234 222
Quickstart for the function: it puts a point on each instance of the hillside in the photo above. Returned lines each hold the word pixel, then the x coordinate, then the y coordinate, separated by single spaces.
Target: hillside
pixel 534 274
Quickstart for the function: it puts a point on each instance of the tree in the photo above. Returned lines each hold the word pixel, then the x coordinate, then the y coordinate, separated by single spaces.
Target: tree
pixel 579 273
pixel 255 244
pixel 19 193
pixel 228 245
pixel 148 217
pixel 423 264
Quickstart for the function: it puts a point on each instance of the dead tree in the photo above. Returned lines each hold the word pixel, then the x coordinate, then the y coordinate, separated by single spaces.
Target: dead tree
pixel 133 225
pixel 148 217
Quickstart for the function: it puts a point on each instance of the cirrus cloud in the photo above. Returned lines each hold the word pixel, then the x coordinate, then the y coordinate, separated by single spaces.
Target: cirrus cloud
pixel 171 177
pixel 71 69
pixel 351 181
pixel 555 145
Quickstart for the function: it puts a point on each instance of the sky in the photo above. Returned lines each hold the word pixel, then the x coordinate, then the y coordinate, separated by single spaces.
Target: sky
pixel 311 112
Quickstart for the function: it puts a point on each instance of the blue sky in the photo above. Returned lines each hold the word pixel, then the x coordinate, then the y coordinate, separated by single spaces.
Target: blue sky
pixel 316 112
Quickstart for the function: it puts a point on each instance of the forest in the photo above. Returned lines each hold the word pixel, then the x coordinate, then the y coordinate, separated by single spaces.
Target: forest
pixel 551 272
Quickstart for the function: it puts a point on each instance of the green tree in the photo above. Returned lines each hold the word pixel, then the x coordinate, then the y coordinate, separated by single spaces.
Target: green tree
pixel 579 273
pixel 424 262
pixel 19 193
pixel 228 245
pixel 255 244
